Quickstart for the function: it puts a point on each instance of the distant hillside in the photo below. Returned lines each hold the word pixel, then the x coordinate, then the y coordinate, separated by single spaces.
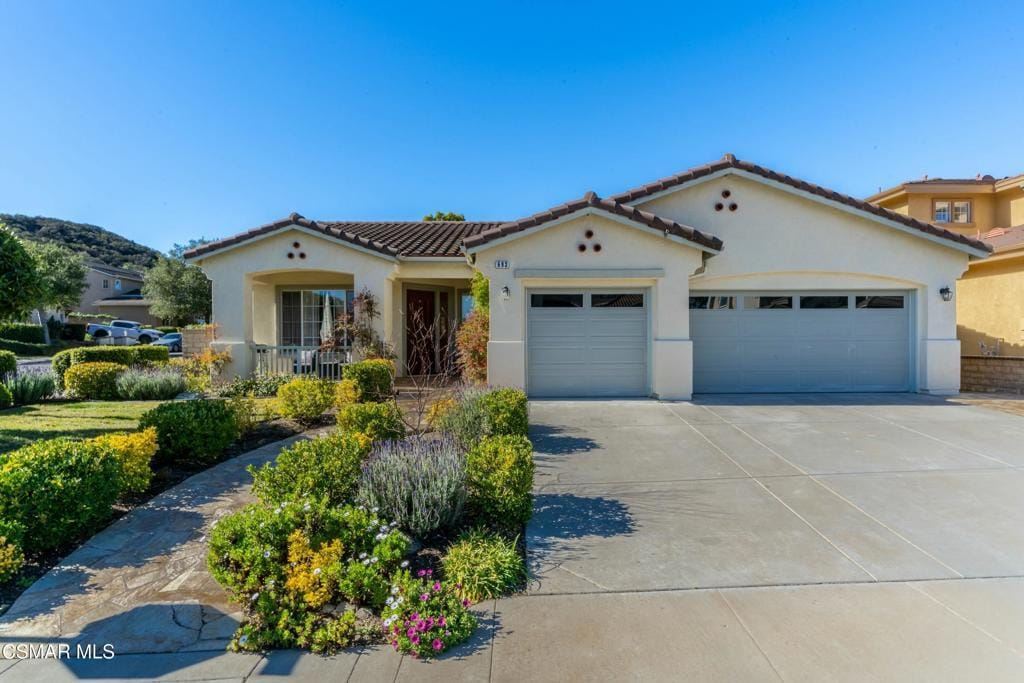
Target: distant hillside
pixel 93 240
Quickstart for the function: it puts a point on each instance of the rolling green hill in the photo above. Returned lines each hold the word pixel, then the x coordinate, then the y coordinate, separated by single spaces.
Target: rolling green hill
pixel 92 240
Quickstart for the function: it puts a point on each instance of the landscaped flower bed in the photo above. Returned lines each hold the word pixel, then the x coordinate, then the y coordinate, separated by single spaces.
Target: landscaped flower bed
pixel 366 535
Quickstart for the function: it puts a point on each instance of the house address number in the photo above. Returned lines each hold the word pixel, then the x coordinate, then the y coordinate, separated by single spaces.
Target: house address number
pixel 501 264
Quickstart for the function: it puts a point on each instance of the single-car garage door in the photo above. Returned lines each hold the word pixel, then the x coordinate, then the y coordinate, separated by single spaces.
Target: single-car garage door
pixel 587 343
pixel 800 341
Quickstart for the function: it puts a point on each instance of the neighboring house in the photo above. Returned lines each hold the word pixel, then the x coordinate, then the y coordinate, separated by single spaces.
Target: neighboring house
pixel 990 296
pixel 116 292
pixel 729 277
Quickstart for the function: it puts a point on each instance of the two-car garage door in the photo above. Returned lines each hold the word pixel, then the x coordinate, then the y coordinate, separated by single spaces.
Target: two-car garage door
pixel 800 341
pixel 595 343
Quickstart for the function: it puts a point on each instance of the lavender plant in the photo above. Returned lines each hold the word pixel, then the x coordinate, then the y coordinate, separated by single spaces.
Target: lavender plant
pixel 418 483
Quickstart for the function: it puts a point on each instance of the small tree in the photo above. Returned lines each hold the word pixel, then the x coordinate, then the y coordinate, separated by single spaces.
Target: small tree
pixel 61 275
pixel 20 286
pixel 443 216
pixel 179 293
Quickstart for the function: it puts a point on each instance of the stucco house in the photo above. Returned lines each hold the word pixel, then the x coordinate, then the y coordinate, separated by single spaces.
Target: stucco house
pixel 990 296
pixel 729 277
pixel 114 291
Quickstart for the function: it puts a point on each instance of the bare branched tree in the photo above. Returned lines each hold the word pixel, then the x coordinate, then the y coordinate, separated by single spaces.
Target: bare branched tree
pixel 431 366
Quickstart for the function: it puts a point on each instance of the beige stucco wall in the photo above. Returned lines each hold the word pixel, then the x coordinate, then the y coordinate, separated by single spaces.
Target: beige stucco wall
pixel 622 246
pixel 778 240
pixel 94 290
pixel 990 306
pixel 1010 207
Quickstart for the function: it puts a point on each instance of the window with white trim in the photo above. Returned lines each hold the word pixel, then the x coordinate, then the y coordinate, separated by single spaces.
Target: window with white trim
pixel 303 312
pixel 962 212
pixel 952 211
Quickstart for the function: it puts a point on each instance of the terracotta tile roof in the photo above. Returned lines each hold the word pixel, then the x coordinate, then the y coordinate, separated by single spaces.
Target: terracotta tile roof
pixel 591 200
pixel 391 238
pixel 730 161
pixel 1005 239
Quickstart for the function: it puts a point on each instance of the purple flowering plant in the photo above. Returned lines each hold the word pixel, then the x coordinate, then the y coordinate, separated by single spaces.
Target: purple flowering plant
pixel 424 617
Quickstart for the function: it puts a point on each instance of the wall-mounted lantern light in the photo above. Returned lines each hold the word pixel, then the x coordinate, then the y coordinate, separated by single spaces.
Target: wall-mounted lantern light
pixel 947 294
pixel 506 293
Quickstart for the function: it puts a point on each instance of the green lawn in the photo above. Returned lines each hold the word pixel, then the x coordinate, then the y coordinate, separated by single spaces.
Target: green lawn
pixel 19 426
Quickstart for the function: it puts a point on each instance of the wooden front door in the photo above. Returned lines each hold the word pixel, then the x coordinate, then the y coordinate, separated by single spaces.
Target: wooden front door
pixel 420 356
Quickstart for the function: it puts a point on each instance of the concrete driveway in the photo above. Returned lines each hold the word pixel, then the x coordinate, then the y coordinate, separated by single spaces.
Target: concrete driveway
pixel 763 537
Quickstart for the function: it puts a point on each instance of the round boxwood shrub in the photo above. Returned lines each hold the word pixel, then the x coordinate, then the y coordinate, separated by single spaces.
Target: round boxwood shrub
pixel 8 363
pixel 305 399
pixel 192 432
pixel 499 475
pixel 379 421
pixel 93 380
pixel 507 411
pixel 374 378
pixel 58 490
pixel 6 400
pixel 326 468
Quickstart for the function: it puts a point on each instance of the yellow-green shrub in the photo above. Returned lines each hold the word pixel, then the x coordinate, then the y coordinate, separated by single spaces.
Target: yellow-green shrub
pixel 193 432
pixel 374 378
pixel 134 451
pixel 438 409
pixel 304 399
pixel 58 490
pixel 93 380
pixel 507 411
pixel 483 566
pixel 326 468
pixel 6 399
pixel 345 392
pixel 11 557
pixel 499 476
pixel 379 421
pixel 8 363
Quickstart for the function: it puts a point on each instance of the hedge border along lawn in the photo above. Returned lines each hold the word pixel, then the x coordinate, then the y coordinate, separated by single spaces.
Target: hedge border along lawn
pixel 22 332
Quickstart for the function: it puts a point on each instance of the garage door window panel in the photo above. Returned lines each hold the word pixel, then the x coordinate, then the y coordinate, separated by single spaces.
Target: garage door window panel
pixel 824 302
pixel 556 301
pixel 617 300
pixel 768 302
pixel 879 302
pixel 712 303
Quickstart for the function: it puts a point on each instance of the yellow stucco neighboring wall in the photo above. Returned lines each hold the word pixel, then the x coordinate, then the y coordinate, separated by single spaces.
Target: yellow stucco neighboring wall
pixel 990 306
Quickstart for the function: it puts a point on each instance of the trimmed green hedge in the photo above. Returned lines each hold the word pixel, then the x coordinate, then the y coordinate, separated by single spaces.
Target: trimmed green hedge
pixel 22 332
pixel 96 381
pixel 122 355
pixel 24 348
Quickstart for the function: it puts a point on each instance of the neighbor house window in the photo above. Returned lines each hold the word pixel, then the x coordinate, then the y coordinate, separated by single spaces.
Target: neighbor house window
pixel 961 212
pixel 303 312
pixel 940 214
pixel 106 284
pixel 117 285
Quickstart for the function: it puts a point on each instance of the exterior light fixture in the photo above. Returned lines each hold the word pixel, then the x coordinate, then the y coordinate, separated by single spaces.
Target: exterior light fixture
pixel 947 294
pixel 506 293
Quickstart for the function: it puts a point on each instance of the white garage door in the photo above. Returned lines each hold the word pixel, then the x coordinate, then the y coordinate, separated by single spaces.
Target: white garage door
pixel 587 343
pixel 800 341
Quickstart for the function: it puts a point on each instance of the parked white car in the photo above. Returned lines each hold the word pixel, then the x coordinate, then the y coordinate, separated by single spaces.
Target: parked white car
pixel 124 329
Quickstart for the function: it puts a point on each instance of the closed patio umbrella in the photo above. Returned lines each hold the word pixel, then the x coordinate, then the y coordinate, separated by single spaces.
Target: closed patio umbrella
pixel 326 325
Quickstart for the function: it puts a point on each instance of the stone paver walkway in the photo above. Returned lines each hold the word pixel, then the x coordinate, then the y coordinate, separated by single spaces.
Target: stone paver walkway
pixel 142 582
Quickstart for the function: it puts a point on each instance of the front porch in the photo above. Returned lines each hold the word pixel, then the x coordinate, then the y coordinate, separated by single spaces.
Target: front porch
pixel 298 322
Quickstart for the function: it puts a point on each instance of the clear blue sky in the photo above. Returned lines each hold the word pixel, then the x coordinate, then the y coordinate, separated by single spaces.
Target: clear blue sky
pixel 167 121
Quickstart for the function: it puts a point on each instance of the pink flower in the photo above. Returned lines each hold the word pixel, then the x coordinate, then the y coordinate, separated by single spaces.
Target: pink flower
pixel 414 639
pixel 430 622
pixel 422 572
pixel 414 655
pixel 425 597
pixel 421 625
pixel 430 572
pixel 411 633
pixel 465 602
pixel 437 586
pixel 437 644
pixel 415 616
pixel 442 622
